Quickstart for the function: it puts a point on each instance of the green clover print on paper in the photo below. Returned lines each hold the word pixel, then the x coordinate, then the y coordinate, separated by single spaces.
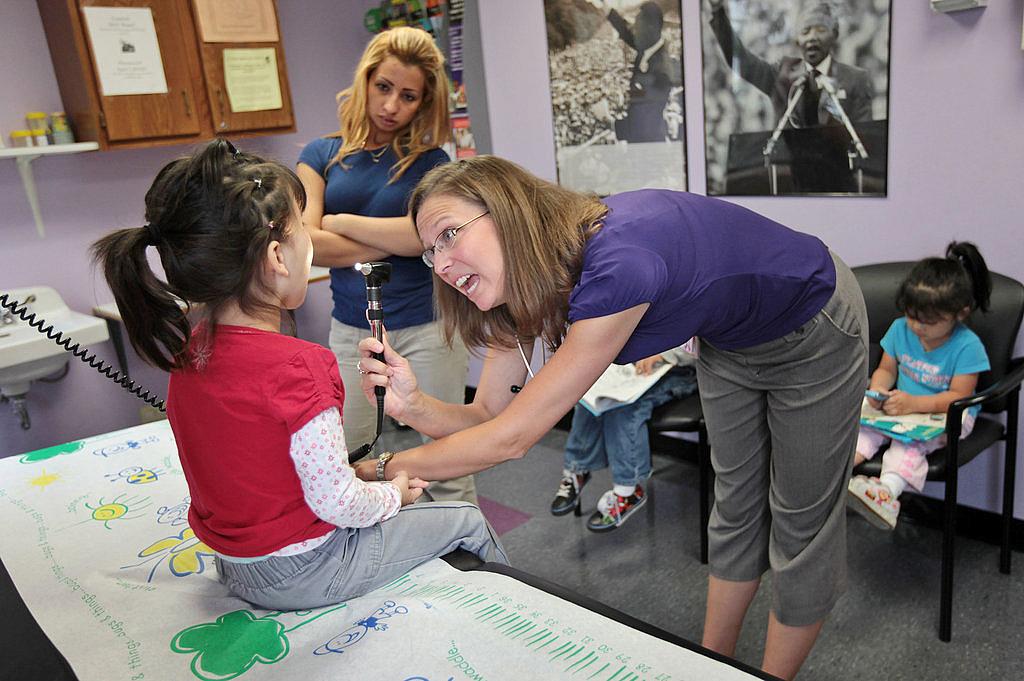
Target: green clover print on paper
pixel 230 646
pixel 50 452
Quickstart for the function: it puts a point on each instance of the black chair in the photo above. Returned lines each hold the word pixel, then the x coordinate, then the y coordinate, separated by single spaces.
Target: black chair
pixel 686 416
pixel 998 394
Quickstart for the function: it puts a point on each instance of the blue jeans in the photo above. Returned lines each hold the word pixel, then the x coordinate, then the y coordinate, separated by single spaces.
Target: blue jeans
pixel 618 438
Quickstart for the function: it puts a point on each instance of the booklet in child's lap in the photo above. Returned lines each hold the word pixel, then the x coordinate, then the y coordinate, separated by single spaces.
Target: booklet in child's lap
pixel 620 385
pixel 906 427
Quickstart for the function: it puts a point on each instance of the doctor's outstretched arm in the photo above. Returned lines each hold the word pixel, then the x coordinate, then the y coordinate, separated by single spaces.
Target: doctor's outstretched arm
pixel 589 347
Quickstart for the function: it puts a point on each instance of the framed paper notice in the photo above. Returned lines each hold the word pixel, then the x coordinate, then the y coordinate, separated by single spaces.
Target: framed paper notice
pixel 250 76
pixel 126 50
pixel 236 21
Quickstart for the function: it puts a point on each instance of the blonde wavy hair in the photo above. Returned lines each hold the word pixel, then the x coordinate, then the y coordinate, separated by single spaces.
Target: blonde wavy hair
pixel 430 127
pixel 542 229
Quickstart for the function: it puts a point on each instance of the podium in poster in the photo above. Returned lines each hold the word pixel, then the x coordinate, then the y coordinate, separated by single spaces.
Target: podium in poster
pixel 818 160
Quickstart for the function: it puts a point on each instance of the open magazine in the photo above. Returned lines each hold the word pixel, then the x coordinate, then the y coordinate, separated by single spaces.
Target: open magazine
pixel 905 428
pixel 620 385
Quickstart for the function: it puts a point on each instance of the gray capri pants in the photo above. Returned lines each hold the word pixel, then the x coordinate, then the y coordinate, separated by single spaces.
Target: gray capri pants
pixel 782 422
pixel 355 561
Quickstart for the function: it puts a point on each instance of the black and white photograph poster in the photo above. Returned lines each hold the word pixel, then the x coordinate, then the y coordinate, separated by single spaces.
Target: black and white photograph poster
pixel 617 94
pixel 796 96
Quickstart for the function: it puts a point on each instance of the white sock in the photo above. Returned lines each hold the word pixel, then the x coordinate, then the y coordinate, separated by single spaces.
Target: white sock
pixel 624 490
pixel 895 483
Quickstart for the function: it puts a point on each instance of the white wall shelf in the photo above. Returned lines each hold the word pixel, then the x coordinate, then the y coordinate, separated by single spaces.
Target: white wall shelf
pixel 24 157
pixel 956 5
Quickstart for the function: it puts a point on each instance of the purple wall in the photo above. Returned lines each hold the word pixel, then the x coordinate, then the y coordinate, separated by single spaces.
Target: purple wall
pixel 956 145
pixel 83 196
pixel 956 156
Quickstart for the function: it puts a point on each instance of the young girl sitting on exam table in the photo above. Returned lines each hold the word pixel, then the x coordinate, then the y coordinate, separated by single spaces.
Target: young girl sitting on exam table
pixel 256 413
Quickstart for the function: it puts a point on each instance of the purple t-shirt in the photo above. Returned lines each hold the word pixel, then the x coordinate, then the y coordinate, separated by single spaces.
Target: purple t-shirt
pixel 708 268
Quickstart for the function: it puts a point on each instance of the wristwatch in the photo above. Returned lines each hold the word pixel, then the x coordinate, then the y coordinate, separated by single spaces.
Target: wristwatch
pixel 381 462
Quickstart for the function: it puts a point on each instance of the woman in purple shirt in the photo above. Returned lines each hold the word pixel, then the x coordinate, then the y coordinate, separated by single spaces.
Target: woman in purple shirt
pixel 782 362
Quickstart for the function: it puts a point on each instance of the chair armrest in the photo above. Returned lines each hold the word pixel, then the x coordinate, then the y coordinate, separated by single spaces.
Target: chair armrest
pixel 1001 388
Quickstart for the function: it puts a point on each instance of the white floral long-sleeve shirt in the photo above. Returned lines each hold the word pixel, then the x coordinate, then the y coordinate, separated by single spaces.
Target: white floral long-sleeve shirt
pixel 330 485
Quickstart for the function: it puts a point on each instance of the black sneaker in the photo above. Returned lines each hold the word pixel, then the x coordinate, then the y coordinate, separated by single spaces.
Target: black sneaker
pixel 567 498
pixel 612 510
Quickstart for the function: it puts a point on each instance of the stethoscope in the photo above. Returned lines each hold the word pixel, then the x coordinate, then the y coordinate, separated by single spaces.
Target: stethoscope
pixel 526 363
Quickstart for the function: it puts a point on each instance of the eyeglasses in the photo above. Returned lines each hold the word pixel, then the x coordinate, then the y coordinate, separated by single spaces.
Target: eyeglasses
pixel 446 239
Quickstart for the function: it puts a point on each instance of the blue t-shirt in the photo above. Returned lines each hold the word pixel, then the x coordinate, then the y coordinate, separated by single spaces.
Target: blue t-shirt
pixel 708 268
pixel 928 373
pixel 363 189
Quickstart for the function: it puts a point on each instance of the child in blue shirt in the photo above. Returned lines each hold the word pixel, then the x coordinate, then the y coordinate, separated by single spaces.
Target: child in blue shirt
pixel 933 359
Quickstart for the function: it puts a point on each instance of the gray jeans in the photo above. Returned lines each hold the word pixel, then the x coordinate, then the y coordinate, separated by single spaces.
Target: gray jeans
pixel 440 372
pixel 782 422
pixel 355 561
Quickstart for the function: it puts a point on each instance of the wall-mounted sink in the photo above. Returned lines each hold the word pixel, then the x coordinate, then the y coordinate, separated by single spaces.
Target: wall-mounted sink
pixel 26 354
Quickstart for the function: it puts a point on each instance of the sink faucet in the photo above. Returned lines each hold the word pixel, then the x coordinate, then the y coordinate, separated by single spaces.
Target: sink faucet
pixel 7 317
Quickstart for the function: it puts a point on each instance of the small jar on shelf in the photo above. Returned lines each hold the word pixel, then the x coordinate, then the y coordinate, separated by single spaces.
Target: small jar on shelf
pixel 21 138
pixel 60 129
pixel 40 127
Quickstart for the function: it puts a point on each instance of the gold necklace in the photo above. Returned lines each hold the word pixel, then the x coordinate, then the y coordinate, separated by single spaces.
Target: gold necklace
pixel 376 156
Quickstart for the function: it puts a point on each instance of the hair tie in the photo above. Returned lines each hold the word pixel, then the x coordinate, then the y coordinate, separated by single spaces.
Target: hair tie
pixel 152 236
pixel 258 181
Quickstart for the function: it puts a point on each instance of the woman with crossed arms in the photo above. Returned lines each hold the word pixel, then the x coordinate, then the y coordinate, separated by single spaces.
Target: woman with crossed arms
pixel 393 118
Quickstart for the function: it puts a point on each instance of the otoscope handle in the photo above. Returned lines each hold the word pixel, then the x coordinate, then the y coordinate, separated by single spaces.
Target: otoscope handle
pixel 378 390
pixel 377 274
pixel 375 316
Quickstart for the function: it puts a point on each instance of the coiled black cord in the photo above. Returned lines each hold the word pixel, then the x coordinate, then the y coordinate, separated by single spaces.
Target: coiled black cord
pixel 40 325
pixel 357 454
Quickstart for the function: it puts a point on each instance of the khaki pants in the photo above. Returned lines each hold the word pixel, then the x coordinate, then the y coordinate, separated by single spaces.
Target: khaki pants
pixel 440 372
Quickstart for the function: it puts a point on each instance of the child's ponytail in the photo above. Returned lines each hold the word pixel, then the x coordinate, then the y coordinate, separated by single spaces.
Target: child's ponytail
pixel 156 325
pixel 967 254
pixel 211 217
pixel 939 287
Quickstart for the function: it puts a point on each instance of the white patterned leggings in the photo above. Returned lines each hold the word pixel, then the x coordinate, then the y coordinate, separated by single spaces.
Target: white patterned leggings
pixel 909 461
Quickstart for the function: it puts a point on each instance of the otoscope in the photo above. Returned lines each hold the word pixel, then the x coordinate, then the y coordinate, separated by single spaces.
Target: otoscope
pixel 376 274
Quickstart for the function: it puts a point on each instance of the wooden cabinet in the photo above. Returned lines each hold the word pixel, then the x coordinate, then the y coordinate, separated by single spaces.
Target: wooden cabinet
pixel 223 118
pixel 195 106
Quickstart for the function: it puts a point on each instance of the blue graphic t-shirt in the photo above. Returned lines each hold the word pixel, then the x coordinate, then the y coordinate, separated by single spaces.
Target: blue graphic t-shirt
pixel 929 373
pixel 362 188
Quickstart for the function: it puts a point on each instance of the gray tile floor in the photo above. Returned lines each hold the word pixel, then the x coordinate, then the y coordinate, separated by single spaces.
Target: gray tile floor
pixel 885 627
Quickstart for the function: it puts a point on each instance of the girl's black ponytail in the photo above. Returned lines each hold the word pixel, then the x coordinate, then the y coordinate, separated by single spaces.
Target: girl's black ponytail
pixel 967 254
pixel 156 325
pixel 211 216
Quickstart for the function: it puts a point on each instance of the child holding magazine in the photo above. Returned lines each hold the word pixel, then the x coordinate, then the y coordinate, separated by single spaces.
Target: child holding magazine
pixel 933 359
pixel 617 438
